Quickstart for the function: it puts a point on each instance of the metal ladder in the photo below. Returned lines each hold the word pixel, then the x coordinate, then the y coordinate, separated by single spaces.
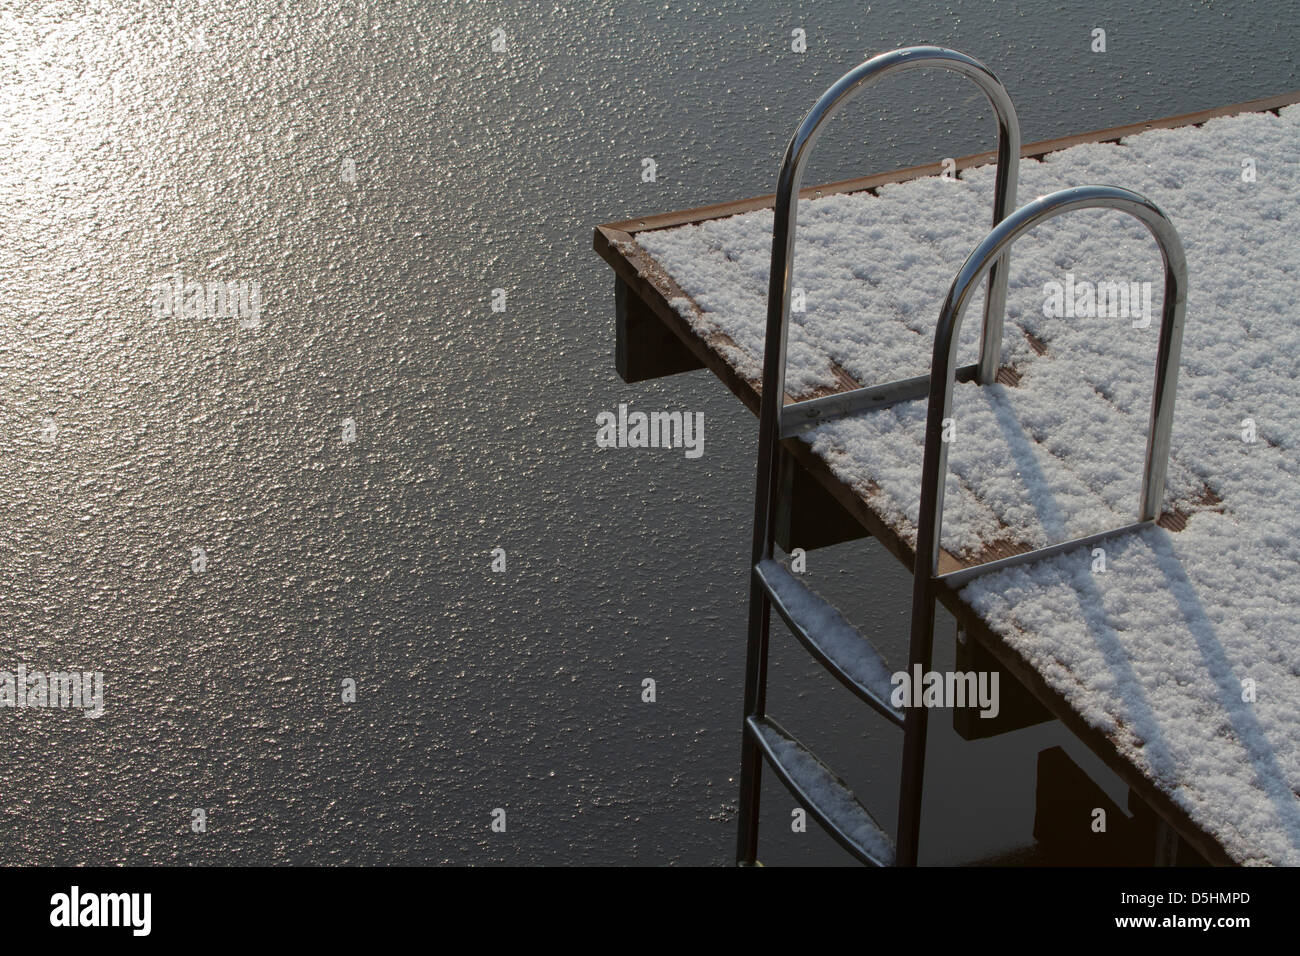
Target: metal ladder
pixel 832 641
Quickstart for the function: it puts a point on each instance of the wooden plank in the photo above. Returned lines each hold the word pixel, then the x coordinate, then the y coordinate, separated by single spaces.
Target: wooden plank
pixel 615 242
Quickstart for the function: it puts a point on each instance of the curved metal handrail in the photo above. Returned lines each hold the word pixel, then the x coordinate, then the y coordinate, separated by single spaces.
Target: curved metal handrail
pixel 772 410
pixel 925 576
pixel 785 216
pixel 980 261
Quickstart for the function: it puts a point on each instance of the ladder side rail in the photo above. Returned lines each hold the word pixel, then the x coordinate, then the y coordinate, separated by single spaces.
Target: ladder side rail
pixel 930 517
pixel 771 400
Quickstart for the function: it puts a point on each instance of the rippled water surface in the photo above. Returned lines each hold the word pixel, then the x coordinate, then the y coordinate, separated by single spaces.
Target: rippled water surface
pixel 377 170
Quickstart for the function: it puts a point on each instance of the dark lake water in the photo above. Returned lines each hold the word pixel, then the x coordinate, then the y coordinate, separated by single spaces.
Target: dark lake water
pixel 184 509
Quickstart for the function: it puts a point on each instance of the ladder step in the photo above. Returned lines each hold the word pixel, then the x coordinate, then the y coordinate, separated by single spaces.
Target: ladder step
pixel 836 643
pixel 822 793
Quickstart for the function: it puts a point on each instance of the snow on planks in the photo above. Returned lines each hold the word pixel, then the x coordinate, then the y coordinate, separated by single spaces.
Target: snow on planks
pixel 1179 663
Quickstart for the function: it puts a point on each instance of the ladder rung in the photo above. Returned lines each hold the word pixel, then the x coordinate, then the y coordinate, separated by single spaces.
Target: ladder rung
pixel 836 643
pixel 822 793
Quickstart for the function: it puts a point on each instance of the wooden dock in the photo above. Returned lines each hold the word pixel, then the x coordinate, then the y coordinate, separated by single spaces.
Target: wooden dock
pixel 654 339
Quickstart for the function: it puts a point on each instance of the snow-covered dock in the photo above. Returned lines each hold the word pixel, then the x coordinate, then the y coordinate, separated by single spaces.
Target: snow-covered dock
pixel 1175 653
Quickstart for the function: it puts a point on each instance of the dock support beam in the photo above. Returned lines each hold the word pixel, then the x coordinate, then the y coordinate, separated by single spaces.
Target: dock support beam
pixel 1069 830
pixel 807 515
pixel 1017 707
pixel 645 347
